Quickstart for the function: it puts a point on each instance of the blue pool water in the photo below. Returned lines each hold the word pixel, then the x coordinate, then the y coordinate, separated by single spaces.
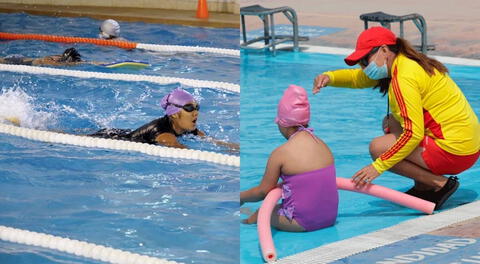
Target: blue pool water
pixel 181 210
pixel 305 31
pixel 346 120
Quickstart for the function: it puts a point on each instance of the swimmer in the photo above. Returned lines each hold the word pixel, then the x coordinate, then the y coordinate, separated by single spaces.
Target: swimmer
pixel 110 30
pixel 306 166
pixel 69 57
pixel 181 113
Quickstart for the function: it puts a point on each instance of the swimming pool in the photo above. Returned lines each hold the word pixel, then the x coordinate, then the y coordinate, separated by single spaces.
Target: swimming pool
pixel 346 120
pixel 186 65
pixel 176 209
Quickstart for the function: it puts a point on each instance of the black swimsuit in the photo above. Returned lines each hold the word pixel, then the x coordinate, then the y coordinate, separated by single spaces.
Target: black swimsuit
pixel 145 134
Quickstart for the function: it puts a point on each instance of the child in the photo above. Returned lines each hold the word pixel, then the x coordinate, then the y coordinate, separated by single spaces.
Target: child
pixel 305 164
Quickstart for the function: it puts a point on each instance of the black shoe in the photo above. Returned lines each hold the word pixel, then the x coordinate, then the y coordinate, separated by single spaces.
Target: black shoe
pixel 439 197
pixel 418 193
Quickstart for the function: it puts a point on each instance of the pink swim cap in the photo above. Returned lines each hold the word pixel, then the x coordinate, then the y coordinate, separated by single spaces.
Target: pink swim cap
pixel 293 108
pixel 174 99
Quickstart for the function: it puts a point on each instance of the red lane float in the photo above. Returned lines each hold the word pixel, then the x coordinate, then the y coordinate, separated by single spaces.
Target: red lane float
pixel 53 38
pixel 265 212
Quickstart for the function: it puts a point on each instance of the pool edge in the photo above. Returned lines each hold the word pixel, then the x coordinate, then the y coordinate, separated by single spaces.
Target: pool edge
pixel 386 236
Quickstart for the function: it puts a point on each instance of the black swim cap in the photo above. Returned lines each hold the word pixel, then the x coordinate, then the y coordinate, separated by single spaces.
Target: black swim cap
pixel 71 55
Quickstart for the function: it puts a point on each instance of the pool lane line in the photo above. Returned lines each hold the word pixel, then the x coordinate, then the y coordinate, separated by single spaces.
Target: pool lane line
pixel 179 48
pixel 346 51
pixel 231 87
pixel 120 44
pixel 149 149
pixel 410 228
pixel 76 247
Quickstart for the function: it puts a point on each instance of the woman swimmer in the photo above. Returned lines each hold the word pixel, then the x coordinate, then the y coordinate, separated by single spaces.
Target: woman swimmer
pixel 306 166
pixel 69 57
pixel 181 113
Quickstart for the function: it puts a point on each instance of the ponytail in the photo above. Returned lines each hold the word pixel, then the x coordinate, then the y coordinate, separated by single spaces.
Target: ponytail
pixel 428 64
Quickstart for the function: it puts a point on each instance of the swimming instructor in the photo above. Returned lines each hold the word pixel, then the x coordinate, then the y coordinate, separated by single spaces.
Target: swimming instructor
pixel 432 130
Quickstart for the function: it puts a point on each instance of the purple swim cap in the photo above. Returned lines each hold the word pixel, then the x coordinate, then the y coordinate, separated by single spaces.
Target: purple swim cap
pixel 178 97
pixel 293 108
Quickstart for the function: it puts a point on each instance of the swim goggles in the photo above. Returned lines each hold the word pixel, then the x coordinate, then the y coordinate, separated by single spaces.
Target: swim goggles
pixel 188 107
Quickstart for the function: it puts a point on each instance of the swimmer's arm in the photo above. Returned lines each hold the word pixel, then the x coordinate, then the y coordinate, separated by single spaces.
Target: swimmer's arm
pixel 49 61
pixel 44 61
pixel 234 147
pixel 169 140
pixel 269 180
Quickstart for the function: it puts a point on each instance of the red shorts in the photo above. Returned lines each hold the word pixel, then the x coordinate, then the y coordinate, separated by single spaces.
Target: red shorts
pixel 441 162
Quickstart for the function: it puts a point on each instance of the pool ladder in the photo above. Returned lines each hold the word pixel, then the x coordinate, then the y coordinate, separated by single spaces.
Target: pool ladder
pixel 385 20
pixel 269 37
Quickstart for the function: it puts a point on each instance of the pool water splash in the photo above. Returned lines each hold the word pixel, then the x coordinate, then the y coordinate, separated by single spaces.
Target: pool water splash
pixel 19 108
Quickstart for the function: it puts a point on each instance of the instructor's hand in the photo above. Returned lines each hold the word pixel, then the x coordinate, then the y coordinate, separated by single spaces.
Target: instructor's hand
pixel 320 81
pixel 365 176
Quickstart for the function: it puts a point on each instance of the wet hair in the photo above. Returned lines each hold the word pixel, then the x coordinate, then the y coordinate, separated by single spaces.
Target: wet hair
pixel 71 55
pixel 404 47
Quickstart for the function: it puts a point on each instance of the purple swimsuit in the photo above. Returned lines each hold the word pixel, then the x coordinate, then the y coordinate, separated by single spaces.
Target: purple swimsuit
pixel 311 198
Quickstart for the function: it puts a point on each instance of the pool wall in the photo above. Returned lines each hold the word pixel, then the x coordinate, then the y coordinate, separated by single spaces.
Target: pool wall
pixel 222 14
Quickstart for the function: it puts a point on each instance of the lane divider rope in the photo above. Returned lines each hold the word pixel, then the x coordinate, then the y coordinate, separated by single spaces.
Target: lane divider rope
pixel 120 44
pixel 121 76
pixel 178 48
pixel 149 149
pixel 76 247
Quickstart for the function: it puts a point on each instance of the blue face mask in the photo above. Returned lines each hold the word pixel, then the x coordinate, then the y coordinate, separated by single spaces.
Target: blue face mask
pixel 375 72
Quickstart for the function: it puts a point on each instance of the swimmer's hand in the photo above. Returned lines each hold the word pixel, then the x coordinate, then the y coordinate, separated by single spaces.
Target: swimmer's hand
pixel 232 147
pixel 365 176
pixel 320 81
pixel 96 63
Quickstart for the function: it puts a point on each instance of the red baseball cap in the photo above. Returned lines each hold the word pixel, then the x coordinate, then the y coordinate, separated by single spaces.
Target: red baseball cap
pixel 369 39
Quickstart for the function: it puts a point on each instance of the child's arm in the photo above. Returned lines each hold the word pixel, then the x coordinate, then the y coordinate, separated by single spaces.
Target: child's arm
pixel 269 180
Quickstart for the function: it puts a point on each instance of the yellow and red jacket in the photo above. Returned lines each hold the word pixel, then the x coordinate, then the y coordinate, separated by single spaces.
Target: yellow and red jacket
pixel 423 104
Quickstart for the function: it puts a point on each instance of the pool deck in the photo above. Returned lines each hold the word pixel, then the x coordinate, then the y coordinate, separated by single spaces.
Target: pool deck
pixel 162 16
pixel 453 29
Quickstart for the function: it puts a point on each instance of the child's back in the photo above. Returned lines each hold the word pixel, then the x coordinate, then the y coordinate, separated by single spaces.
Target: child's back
pixel 304 152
